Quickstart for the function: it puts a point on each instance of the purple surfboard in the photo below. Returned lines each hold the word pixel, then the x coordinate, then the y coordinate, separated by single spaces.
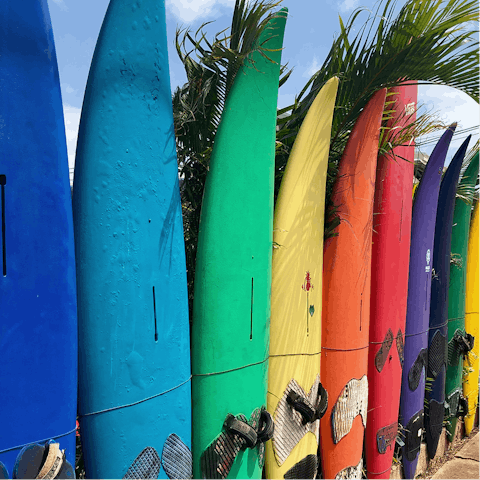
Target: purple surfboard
pixel 418 302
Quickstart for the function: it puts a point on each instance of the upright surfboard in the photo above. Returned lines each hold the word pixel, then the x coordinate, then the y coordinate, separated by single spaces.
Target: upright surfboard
pixel 346 299
pixel 459 343
pixel 134 361
pixel 231 309
pixel 418 303
pixel 295 397
pixel 440 299
pixel 470 382
pixel 388 302
pixel 38 320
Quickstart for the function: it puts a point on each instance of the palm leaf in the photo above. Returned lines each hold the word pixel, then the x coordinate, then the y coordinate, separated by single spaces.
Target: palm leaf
pixel 428 41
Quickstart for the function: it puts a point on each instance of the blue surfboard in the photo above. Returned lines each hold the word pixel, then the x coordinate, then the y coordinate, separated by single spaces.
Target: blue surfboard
pixel 38 321
pixel 134 355
pixel 438 324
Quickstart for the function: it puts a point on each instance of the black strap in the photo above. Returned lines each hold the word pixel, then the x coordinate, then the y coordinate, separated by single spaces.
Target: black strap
pixel 300 404
pixel 266 427
pixel 465 342
pixel 303 406
pixel 242 429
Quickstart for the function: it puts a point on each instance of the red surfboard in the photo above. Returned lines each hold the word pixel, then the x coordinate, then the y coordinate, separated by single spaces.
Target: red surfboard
pixel 388 300
pixel 346 300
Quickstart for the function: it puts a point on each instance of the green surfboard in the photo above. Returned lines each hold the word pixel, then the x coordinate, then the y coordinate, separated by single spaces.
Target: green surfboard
pixel 231 309
pixel 456 298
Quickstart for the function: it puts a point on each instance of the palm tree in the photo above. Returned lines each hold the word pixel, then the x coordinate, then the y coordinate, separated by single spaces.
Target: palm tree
pixel 428 41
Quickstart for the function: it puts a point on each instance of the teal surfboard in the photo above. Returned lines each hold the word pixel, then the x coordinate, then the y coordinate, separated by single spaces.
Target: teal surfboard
pixel 134 362
pixel 231 309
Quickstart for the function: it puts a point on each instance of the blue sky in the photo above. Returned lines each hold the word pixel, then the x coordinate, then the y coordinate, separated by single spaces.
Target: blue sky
pixel 311 27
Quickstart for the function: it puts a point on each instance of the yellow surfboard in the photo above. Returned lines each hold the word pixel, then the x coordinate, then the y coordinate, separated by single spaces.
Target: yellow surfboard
pixel 470 364
pixel 294 396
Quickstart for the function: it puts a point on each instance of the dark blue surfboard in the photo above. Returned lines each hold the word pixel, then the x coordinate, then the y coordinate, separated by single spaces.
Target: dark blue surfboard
pixel 437 335
pixel 134 345
pixel 418 303
pixel 38 323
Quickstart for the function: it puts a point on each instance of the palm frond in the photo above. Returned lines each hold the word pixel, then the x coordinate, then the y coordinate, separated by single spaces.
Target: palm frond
pixel 427 42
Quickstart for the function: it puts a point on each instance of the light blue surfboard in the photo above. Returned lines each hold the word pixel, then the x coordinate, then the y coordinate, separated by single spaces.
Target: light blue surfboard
pixel 38 318
pixel 134 360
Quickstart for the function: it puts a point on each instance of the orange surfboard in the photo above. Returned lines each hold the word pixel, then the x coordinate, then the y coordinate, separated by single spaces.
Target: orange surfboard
pixel 346 300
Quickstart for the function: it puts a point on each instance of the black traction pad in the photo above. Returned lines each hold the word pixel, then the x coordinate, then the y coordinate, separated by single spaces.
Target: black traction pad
pixel 413 436
pixel 400 346
pixel 217 459
pixel 434 426
pixel 382 354
pixel 289 423
pixel 146 465
pixel 437 354
pixel 306 468
pixel 176 458
pixel 415 372
pixel 386 437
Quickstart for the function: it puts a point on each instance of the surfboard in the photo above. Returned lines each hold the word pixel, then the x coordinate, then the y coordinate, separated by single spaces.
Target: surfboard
pixel 231 309
pixel 424 213
pixel 38 321
pixel 440 299
pixel 134 356
pixel 470 382
pixel 294 395
pixel 458 343
pixel 388 301
pixel 346 299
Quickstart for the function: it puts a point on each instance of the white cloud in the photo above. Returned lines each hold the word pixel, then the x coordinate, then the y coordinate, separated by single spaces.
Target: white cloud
pixel 313 68
pixel 72 120
pixel 190 10
pixel 451 105
pixel 348 5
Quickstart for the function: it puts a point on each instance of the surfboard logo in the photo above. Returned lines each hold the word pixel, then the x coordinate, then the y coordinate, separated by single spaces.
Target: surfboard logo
pixel 410 108
pixel 386 437
pixel 427 257
pixel 307 286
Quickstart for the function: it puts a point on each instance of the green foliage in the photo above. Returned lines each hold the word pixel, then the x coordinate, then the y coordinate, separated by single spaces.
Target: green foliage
pixel 428 41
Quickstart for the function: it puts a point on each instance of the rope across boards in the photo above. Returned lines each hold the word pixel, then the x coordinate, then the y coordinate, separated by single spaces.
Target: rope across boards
pixel 45 461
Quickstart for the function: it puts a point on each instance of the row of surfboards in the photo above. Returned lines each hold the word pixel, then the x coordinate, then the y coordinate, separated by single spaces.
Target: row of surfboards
pixel 286 353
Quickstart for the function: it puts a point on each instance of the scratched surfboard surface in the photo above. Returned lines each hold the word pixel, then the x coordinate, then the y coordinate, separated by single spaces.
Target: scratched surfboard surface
pixel 231 307
pixel 38 323
pixel 132 291
pixel 418 302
